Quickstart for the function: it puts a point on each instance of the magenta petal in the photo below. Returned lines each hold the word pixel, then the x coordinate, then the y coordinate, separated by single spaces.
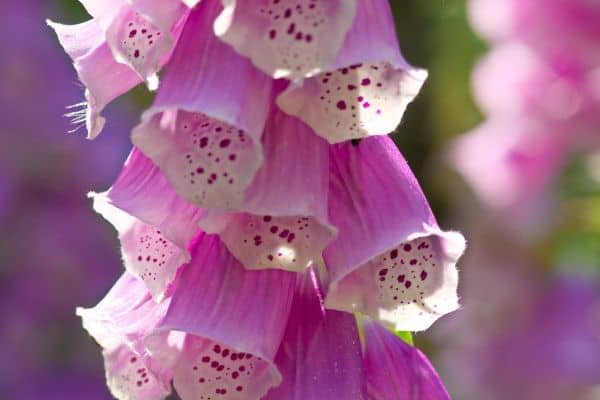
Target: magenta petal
pixel 126 315
pixel 203 130
pixel 128 376
pixel 217 299
pixel 371 88
pixel 120 323
pixel 237 318
pixel 287 39
pixel 142 191
pixel 155 225
pixel 141 35
pixel 320 356
pixel 95 67
pixel 285 221
pixel 390 260
pixel 395 370
pixel 207 368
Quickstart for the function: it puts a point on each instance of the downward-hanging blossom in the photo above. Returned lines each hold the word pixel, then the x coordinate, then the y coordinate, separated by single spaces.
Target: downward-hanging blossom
pixel 258 239
pixel 540 111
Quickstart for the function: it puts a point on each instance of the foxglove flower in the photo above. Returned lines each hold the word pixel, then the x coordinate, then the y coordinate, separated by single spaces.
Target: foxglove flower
pixel 123 44
pixel 320 352
pixel 239 186
pixel 541 111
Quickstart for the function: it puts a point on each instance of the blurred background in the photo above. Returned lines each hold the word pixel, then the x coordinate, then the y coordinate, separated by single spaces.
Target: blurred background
pixel 504 140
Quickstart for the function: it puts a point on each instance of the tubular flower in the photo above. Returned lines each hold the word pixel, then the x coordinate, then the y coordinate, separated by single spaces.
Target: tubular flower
pixel 541 111
pixel 242 184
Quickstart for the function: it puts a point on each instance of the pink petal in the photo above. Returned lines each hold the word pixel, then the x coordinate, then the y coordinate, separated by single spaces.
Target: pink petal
pixel 146 253
pixel 120 323
pixel 208 369
pixel 394 265
pixel 320 356
pixel 238 321
pixel 202 131
pixel 95 67
pixel 370 89
pixel 285 224
pixel 157 227
pixel 246 310
pixel 141 35
pixel 287 39
pixel 396 370
pixel 142 191
pixel 128 376
pixel 126 315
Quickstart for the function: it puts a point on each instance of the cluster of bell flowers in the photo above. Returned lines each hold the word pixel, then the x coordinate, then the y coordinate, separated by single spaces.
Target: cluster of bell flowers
pixel 539 87
pixel 273 236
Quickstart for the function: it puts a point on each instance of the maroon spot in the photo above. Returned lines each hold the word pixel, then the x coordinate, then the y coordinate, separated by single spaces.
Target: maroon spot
pixel 136 53
pixel 239 388
pixel 366 104
pixel 401 278
pixel 413 261
pixel 217 348
pixel 365 82
pixel 408 284
pixel 200 170
pixel 225 143
pixel 284 233
pixel 423 275
pixel 291 237
pixel 267 218
pixel 203 142
pixel 291 28
pixel 394 254
pixel 235 374
pixel 214 364
pixel 407 247
pixel 360 98
pixel 341 105
pixel 232 157
pixel 132 33
pixel 272 33
pixel 274 229
pixel 351 87
pixel 287 13
pixel 383 271
pixel 205 359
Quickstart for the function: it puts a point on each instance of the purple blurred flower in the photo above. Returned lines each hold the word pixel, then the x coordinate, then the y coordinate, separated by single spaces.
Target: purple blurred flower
pixel 540 89
pixel 531 341
pixel 52 255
